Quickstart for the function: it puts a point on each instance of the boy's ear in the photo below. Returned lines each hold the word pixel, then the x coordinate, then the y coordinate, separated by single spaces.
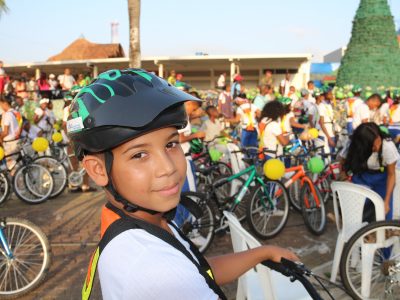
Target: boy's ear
pixel 96 169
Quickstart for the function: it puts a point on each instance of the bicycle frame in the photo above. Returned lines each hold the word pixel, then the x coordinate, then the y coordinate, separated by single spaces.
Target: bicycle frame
pixel 300 174
pixel 252 171
pixel 3 241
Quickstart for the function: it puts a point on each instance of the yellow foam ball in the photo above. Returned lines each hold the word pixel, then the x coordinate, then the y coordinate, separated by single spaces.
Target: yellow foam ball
pixel 313 132
pixel 1 153
pixel 57 137
pixel 40 144
pixel 56 127
pixel 274 169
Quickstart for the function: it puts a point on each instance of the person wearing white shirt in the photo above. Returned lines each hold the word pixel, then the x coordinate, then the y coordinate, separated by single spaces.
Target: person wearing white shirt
pixel 247 114
pixel 284 87
pixel 41 117
pixel 326 122
pixel 272 136
pixel 365 112
pixel 10 130
pixel 212 126
pixel 372 158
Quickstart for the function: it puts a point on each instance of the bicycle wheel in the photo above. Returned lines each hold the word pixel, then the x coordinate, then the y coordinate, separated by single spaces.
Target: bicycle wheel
pixel 58 172
pixel 268 209
pixel 226 192
pixel 373 252
pixel 30 263
pixel 199 230
pixel 5 189
pixel 33 183
pixel 314 215
pixel 324 186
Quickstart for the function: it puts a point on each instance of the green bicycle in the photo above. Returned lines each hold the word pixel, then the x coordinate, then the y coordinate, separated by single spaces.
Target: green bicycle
pixel 249 195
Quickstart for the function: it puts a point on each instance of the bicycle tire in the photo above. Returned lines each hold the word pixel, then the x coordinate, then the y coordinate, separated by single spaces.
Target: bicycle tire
pixel 18 243
pixel 268 211
pixel 58 172
pixel 314 216
pixel 23 184
pixel 384 259
pixel 200 230
pixel 5 188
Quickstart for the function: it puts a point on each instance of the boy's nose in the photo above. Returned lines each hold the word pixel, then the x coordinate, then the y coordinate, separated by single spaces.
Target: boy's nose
pixel 165 166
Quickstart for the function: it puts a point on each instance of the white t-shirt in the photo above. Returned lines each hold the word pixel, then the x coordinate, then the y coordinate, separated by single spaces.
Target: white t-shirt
pixel 44 122
pixel 270 141
pixel 247 112
pixel 186 132
pixel 286 122
pixel 325 110
pixel 8 119
pixel 351 107
pixel 138 265
pixel 384 110
pixel 212 129
pixel 390 155
pixel 360 113
pixel 394 113
pixel 33 132
pixel 312 110
pixel 286 85
pixel 67 81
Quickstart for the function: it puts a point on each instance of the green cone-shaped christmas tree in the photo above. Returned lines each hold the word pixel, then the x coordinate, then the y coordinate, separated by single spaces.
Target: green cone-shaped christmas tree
pixel 373 54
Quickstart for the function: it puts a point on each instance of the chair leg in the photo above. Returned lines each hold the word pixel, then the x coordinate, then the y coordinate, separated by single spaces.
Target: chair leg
pixel 336 258
pixel 367 260
pixel 240 293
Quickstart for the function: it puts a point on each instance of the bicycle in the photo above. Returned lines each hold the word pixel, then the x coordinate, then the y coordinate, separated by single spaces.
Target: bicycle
pixel 25 257
pixel 370 264
pixel 311 205
pixel 265 206
pixel 31 182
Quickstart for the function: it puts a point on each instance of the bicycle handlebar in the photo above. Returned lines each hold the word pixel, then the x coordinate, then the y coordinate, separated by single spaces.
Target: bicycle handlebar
pixel 296 271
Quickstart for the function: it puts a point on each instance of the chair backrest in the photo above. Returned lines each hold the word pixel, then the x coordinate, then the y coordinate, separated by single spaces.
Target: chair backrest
pixel 241 241
pixel 352 199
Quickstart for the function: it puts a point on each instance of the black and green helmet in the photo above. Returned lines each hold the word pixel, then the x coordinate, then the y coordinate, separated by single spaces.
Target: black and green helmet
pixel 120 105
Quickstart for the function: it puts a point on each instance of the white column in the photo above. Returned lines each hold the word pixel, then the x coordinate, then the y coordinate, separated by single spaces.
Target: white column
pixel 95 71
pixel 233 70
pixel 161 70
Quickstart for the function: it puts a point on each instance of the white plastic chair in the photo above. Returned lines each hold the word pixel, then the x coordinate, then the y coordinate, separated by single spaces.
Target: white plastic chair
pixel 260 282
pixel 351 198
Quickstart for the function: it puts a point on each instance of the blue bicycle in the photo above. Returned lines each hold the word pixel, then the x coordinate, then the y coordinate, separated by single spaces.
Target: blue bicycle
pixel 25 257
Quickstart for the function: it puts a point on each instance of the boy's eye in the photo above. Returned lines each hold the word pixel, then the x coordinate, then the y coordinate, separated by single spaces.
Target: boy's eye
pixel 139 155
pixel 172 144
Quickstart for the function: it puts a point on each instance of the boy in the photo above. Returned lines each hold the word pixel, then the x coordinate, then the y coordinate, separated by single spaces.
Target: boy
pixel 212 126
pixel 129 144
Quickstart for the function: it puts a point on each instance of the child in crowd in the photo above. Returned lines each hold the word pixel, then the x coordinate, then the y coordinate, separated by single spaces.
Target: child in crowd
pixel 273 138
pixel 371 159
pixel 131 148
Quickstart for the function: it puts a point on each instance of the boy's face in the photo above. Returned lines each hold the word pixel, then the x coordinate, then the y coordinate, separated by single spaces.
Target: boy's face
pixel 150 170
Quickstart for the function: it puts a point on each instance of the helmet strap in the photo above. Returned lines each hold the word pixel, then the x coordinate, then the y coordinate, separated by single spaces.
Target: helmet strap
pixel 128 206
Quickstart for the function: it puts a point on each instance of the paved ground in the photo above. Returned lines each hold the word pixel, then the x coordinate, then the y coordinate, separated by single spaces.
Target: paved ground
pixel 71 224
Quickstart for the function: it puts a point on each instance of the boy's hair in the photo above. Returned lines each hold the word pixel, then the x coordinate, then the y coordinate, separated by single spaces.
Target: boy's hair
pixel 209 109
pixel 273 110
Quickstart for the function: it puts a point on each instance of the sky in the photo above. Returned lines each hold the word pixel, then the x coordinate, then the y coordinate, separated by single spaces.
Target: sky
pixel 32 31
